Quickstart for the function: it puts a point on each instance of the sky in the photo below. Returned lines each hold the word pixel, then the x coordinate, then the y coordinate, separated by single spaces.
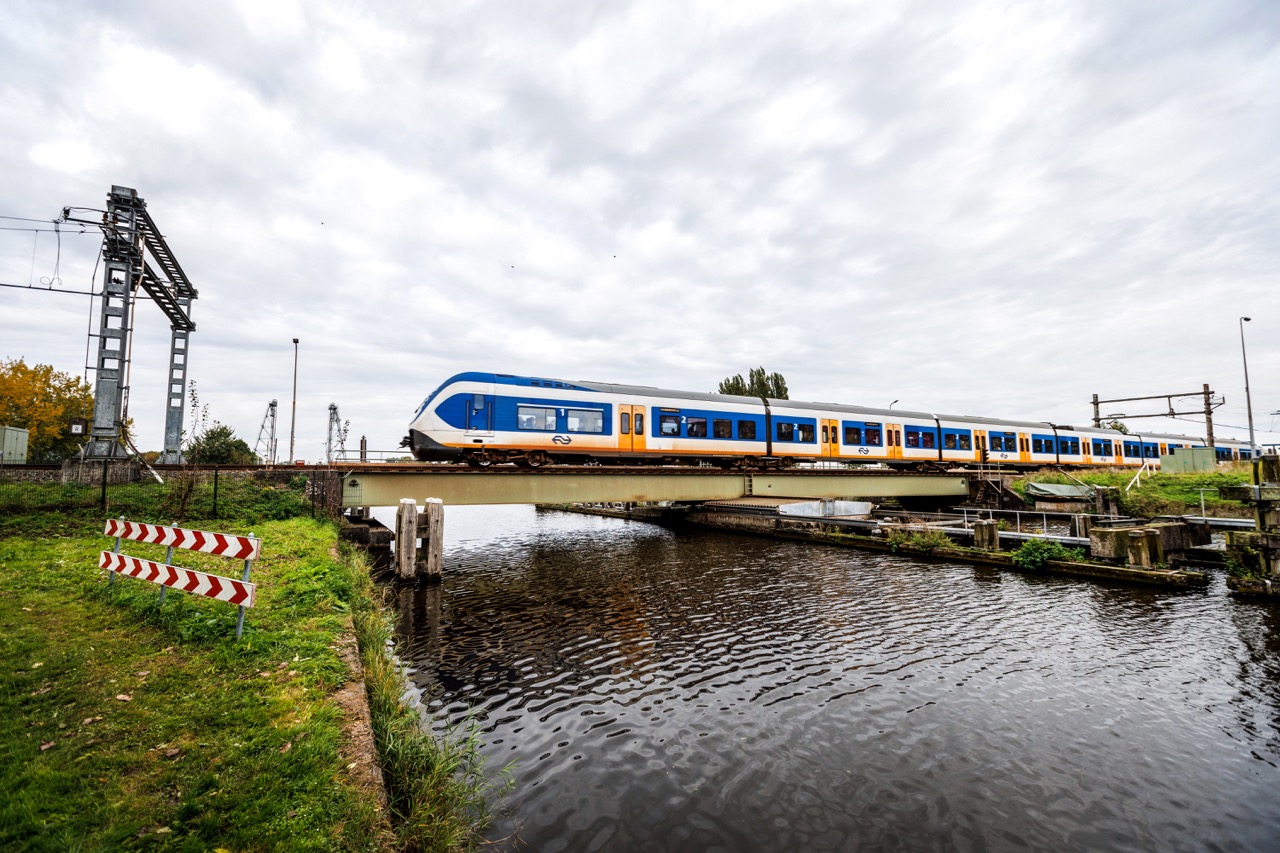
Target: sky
pixel 981 208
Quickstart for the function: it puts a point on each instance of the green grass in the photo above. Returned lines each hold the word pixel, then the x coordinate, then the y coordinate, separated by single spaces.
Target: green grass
pixel 1158 494
pixel 126 724
pixel 27 508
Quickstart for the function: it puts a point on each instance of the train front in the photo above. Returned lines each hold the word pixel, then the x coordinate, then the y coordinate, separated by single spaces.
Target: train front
pixel 438 431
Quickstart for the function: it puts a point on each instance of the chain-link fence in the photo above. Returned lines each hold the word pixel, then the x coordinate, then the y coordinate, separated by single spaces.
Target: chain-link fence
pixel 122 487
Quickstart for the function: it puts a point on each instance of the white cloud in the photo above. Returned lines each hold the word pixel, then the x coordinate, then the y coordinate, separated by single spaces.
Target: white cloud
pixel 981 207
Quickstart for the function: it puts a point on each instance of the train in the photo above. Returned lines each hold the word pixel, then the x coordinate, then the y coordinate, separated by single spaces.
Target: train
pixel 483 419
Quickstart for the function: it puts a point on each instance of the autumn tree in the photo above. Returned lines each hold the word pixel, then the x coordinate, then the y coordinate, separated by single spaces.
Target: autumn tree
pixel 42 401
pixel 758 384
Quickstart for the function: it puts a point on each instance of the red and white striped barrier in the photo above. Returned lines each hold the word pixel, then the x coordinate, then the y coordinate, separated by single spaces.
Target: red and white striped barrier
pixel 187 580
pixel 222 544
pixel 238 592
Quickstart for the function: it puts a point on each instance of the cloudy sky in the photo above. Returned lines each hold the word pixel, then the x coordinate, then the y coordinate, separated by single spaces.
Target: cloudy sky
pixel 968 207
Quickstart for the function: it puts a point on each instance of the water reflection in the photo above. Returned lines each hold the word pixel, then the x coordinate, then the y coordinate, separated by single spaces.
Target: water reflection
pixel 718 692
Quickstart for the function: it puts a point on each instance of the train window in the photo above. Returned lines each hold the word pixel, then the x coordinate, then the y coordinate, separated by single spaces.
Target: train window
pixel 786 432
pixel 585 420
pixel 913 438
pixel 853 435
pixel 669 424
pixel 873 437
pixel 696 428
pixel 535 417
pixel 825 434
pixel 626 423
pixel 805 433
pixel 926 439
pixel 747 430
pixel 949 441
pixel 639 423
pixel 1037 445
pixel 722 428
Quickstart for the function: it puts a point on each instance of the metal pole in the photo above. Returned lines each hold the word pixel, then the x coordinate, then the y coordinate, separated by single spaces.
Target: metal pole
pixel 293 419
pixel 215 492
pixel 1208 420
pixel 168 561
pixel 1248 401
pixel 245 578
pixel 111 579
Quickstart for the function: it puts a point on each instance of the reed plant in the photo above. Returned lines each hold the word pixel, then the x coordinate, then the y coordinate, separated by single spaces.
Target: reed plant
pixel 441 793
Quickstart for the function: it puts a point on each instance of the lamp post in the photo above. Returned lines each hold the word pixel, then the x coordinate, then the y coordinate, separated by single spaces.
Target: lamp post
pixel 293 418
pixel 894 403
pixel 1248 401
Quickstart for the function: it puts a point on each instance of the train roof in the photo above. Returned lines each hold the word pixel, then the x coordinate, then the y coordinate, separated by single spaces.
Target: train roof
pixel 866 412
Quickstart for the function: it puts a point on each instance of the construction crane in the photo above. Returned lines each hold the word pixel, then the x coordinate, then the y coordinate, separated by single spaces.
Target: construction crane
pixel 265 448
pixel 336 443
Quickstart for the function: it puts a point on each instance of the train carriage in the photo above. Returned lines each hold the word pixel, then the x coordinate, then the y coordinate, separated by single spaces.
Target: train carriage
pixel 484 418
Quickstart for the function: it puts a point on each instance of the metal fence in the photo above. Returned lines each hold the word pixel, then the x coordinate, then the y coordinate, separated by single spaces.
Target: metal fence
pixel 181 493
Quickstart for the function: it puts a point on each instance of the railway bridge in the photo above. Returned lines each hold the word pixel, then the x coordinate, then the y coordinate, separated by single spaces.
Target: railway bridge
pixel 388 484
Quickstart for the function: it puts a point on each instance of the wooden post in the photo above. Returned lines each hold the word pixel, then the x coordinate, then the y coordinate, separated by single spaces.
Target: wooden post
pixel 433 539
pixel 1139 548
pixel 406 538
pixel 986 535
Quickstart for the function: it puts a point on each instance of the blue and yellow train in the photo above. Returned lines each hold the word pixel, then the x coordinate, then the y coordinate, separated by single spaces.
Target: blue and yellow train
pixel 488 418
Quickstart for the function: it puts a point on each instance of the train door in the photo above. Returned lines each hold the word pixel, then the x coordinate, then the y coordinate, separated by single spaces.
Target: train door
pixel 893 441
pixel 1024 447
pixel 480 414
pixel 831 438
pixel 631 426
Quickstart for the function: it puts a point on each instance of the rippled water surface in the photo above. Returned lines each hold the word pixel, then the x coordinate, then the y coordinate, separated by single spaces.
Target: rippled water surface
pixel 701 691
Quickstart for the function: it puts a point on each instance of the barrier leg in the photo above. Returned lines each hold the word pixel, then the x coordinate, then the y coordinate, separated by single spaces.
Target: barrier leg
pixel 240 617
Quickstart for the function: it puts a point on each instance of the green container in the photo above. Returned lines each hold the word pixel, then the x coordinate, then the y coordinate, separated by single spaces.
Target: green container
pixel 14 443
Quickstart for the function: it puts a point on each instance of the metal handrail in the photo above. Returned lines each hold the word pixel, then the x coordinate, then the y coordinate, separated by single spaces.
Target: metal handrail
pixel 1146 466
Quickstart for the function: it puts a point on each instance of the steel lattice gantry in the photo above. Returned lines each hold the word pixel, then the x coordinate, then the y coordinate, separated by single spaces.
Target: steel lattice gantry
pixel 128 229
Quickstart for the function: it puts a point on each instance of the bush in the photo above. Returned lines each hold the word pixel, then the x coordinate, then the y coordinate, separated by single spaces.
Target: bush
pixel 1035 554
pixel 923 541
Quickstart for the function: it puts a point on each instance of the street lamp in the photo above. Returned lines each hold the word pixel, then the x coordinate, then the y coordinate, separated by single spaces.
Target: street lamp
pixel 293 418
pixel 1248 401
pixel 891 405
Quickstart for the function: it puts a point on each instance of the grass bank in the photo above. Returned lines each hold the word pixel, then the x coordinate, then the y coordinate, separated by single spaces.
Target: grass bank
pixel 1158 494
pixel 126 724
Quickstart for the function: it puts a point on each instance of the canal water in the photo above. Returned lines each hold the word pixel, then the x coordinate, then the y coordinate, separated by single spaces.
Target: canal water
pixel 704 691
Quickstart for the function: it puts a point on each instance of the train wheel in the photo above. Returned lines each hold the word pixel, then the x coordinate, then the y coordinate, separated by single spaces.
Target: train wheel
pixel 536 459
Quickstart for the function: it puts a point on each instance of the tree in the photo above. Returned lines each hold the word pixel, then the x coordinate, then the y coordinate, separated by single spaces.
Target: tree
pixel 1118 427
pixel 218 445
pixel 760 384
pixel 210 442
pixel 42 401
